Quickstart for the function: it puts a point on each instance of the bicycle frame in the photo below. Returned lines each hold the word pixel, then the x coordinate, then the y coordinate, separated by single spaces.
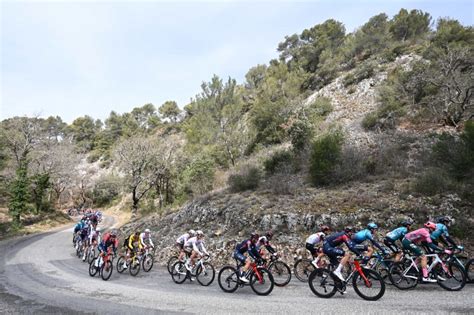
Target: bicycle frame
pixel 414 264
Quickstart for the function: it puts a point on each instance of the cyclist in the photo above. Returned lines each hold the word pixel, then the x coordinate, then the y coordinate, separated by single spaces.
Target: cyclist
pixel 314 239
pixel 77 228
pixel 109 239
pixel 132 244
pixel 396 235
pixel 195 246
pixel 181 240
pixel 331 249
pixel 249 246
pixel 264 240
pixel 441 232
pixel 366 234
pixel 145 239
pixel 412 240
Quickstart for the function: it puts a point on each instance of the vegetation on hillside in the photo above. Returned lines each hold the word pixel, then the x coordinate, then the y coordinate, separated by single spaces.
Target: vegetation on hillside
pixel 162 156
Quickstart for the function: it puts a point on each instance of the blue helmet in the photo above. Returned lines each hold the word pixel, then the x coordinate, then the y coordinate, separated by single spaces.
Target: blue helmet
pixel 372 226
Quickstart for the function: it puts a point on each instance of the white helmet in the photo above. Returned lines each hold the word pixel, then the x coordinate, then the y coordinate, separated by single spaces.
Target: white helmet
pixel 147 231
pixel 192 232
pixel 199 233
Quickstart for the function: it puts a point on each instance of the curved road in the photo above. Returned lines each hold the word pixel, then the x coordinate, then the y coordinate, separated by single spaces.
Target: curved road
pixel 40 274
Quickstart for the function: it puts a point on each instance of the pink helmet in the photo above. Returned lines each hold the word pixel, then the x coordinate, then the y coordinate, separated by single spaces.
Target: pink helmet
pixel 430 225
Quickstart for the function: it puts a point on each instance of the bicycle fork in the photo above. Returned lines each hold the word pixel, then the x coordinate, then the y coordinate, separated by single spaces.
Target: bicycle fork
pixel 368 283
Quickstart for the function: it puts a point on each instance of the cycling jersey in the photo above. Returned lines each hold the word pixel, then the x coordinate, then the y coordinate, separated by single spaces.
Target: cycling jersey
pixel 144 237
pixel 330 246
pixel 183 238
pixel 397 234
pixel 315 238
pixel 94 235
pixel 441 230
pixel 107 242
pixel 132 239
pixel 197 245
pixel 337 239
pixel 79 226
pixel 419 236
pixel 263 241
pixel 248 246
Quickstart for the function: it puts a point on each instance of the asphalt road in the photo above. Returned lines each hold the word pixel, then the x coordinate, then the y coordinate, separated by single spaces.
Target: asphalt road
pixel 40 274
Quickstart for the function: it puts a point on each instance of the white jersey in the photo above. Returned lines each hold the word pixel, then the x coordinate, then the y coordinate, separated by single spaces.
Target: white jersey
pixel 196 244
pixel 183 238
pixel 144 238
pixel 315 238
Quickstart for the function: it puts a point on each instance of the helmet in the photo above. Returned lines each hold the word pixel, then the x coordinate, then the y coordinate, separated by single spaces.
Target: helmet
pixel 269 234
pixel 254 236
pixel 147 231
pixel 192 232
pixel 444 219
pixel 349 229
pixel 372 226
pixel 430 225
pixel 406 223
pixel 113 233
pixel 324 228
pixel 199 233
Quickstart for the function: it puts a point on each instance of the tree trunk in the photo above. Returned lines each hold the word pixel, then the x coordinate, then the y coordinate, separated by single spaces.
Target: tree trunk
pixel 135 201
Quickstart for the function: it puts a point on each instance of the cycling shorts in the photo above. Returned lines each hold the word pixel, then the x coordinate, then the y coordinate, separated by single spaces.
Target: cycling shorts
pixel 313 250
pixel 413 248
pixel 358 249
pixel 180 245
pixel 188 249
pixel 391 244
pixel 239 256
pixel 333 253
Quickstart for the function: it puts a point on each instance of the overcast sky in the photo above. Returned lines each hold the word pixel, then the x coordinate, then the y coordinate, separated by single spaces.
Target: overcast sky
pixel 89 57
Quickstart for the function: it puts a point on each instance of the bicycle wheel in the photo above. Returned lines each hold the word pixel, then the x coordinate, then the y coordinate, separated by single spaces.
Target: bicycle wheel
pixel 228 279
pixel 120 263
pixel 147 263
pixel 322 283
pixel 281 273
pixel 171 263
pixel 452 279
pixel 106 270
pixel 469 267
pixel 263 283
pixel 134 267
pixel 303 269
pixel 92 268
pixel 205 274
pixel 180 273
pixel 371 287
pixel 381 267
pixel 399 279
pixel 90 255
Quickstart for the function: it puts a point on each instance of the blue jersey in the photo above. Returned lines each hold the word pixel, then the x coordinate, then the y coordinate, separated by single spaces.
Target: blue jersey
pixel 398 233
pixel 441 229
pixel 362 236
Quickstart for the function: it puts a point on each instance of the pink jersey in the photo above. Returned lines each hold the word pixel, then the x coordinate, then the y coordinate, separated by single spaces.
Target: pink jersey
pixel 418 236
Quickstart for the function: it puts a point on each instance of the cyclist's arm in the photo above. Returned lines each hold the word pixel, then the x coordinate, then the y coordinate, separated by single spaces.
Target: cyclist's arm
pixel 270 249
pixel 142 241
pixel 130 242
pixel 376 244
pixel 196 248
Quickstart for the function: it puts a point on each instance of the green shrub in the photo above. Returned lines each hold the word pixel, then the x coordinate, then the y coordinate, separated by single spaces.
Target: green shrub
pixel 248 178
pixel 325 154
pixel 300 132
pixel 433 181
pixel 277 161
pixel 320 107
pixel 364 71
pixel 198 176
pixel 370 120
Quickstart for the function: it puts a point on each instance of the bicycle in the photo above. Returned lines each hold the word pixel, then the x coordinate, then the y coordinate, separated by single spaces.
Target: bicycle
pixel 303 267
pixel 203 270
pixel 281 271
pixel 406 274
pixel 105 266
pixel 381 264
pixel 367 283
pixel 261 279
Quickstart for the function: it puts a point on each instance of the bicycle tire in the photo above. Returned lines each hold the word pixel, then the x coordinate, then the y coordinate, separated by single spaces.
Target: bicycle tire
pixel 147 262
pixel 134 268
pixel 209 269
pixel 228 279
pixel 358 282
pixel 120 261
pixel 469 267
pixel 322 278
pixel 254 281
pixel 90 255
pixel 92 268
pixel 180 273
pixel 171 263
pixel 459 277
pixel 401 282
pixel 281 273
pixel 302 269
pixel 106 270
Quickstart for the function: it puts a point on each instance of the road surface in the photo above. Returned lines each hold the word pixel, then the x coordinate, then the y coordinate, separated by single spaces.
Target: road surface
pixel 40 274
